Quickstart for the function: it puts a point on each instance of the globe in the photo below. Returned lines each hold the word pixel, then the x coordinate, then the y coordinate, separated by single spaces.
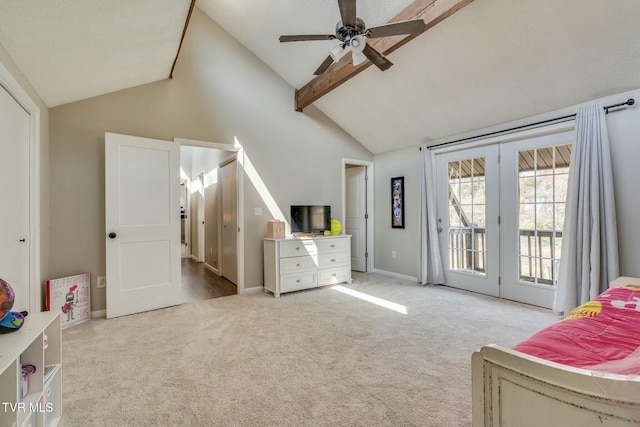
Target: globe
pixel 7 298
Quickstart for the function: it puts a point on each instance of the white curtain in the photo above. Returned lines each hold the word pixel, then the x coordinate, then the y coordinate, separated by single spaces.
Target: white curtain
pixel 589 257
pixel 430 269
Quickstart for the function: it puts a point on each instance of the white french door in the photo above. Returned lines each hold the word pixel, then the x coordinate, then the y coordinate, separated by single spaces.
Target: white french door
pixel 468 210
pixel 501 214
pixel 534 186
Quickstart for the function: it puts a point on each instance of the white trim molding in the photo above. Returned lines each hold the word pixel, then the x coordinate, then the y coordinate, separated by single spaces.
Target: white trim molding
pixel 396 275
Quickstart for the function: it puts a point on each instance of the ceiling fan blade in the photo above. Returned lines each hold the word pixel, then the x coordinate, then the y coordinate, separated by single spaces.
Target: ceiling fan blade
pixel 348 12
pixel 376 57
pixel 323 67
pixel 397 28
pixel 306 37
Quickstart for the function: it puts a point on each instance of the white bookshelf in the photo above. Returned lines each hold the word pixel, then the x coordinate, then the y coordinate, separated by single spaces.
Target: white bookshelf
pixel 42 405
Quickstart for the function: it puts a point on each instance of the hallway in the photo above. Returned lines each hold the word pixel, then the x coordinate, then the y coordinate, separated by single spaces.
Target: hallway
pixel 198 283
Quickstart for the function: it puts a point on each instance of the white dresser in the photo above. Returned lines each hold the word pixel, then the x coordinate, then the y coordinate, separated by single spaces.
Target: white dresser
pixel 306 262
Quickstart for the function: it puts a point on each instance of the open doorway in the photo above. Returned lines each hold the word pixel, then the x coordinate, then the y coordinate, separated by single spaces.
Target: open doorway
pixel 357 197
pixel 203 270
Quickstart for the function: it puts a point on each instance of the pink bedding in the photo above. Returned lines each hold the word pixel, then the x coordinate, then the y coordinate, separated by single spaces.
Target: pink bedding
pixel 603 334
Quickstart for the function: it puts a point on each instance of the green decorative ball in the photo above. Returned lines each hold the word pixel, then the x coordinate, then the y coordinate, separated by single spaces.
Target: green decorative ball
pixel 336 227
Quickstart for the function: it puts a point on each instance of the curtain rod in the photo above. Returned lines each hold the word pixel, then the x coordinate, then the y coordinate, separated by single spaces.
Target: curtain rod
pixel 629 101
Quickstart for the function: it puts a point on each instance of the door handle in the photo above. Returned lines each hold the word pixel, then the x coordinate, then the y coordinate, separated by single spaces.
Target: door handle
pixel 23 240
pixel 112 235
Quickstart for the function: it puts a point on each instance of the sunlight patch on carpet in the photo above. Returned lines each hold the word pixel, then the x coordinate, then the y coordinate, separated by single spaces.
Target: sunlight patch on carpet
pixel 402 309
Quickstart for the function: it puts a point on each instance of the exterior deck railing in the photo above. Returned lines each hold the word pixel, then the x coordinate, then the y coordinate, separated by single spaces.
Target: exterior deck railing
pixel 538 256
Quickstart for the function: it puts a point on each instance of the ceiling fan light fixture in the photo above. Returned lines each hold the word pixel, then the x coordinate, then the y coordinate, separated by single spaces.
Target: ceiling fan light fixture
pixel 357 57
pixel 357 43
pixel 337 52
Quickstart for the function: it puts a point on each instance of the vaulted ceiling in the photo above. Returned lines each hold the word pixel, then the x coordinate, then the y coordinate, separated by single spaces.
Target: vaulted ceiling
pixel 489 63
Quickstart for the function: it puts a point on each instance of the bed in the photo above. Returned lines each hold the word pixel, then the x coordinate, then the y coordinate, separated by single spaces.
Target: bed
pixel 584 370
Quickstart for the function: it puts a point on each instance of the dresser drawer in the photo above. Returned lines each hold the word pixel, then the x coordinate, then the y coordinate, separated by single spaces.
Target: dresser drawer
pixel 333 259
pixel 296 282
pixel 297 247
pixel 296 264
pixel 332 245
pixel 333 275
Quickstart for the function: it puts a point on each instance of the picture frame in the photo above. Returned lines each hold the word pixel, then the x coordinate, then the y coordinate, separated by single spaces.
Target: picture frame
pixel 397 202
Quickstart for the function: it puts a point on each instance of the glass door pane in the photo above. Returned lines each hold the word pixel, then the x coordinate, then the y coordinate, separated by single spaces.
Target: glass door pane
pixel 542 186
pixel 467 213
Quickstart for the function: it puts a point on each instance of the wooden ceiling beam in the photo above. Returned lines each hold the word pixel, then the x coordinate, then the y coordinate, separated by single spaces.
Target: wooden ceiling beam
pixel 431 11
pixel 184 33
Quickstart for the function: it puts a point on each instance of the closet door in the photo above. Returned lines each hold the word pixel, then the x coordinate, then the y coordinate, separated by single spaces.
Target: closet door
pixel 14 199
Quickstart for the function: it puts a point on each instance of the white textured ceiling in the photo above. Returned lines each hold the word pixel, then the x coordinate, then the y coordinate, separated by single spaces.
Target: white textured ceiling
pixel 76 49
pixel 490 63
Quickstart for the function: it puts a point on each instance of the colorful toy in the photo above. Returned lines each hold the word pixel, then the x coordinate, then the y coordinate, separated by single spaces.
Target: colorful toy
pixel 9 320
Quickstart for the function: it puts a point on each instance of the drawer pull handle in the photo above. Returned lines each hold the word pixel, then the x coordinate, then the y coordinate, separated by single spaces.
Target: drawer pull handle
pixel 298 281
pixel 334 275
pixel 298 265
pixel 333 246
pixel 333 260
pixel 297 248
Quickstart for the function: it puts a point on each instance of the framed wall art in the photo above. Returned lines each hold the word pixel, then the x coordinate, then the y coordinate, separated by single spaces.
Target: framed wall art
pixel 397 202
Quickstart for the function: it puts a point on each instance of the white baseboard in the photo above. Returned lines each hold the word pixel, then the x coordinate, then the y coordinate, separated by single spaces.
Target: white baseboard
pixel 396 275
pixel 99 314
pixel 211 268
pixel 253 290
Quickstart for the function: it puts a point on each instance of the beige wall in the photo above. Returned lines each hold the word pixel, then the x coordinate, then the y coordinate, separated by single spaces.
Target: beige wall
pixel 220 92
pixel 43 160
pixel 392 164
pixel 624 135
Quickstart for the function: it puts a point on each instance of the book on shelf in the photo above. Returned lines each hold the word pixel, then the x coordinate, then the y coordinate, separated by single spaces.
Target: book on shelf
pixel 70 295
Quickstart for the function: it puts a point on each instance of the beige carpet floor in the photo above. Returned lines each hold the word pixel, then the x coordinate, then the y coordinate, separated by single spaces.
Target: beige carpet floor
pixel 313 358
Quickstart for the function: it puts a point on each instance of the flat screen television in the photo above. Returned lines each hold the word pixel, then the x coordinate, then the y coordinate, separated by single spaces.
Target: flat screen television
pixel 310 219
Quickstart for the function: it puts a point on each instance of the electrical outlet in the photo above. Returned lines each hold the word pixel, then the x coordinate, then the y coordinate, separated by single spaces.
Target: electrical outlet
pixel 393 254
pixel 102 282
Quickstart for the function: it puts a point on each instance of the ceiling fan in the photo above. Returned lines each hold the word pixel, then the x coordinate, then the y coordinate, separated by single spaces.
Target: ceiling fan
pixel 352 33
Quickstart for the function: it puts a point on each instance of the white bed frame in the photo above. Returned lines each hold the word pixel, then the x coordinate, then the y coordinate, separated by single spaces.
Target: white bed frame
pixel 510 388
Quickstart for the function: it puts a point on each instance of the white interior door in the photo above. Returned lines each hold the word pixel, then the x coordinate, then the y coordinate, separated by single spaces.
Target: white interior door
pixel 14 193
pixel 230 221
pixel 356 211
pixel 468 215
pixel 142 198
pixel 201 209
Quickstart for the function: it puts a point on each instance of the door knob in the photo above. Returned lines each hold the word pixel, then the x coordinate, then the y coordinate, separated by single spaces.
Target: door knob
pixel 112 235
